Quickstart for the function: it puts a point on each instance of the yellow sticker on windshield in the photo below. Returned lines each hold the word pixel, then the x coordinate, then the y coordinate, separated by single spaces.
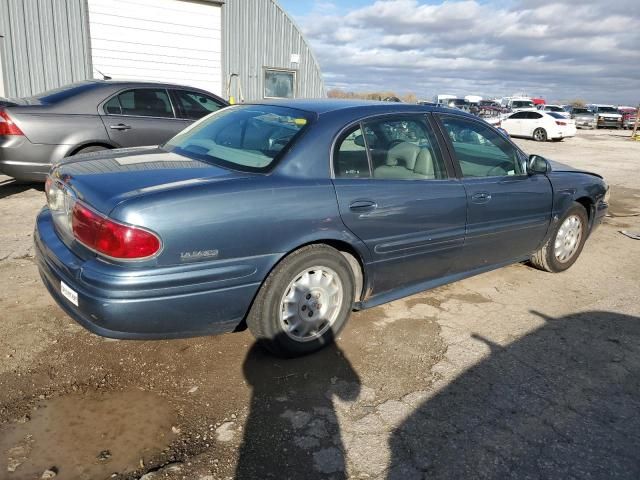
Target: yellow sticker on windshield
pixel 300 121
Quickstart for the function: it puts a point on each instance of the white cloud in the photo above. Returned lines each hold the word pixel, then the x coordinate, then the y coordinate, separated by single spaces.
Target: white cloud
pixel 560 49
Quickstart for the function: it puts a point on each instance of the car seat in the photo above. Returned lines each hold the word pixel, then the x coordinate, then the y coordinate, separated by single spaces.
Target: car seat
pixel 406 160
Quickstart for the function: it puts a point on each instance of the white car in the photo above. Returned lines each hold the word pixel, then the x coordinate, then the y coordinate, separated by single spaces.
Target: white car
pixel 541 126
pixel 554 108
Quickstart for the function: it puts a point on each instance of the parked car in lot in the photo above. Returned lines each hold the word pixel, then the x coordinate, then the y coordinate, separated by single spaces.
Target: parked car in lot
pixel 519 104
pixel 606 116
pixel 556 109
pixel 287 216
pixel 90 116
pixel 541 126
pixel 628 117
pixel 583 117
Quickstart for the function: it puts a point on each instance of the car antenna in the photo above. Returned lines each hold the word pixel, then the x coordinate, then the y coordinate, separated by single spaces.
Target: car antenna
pixel 104 77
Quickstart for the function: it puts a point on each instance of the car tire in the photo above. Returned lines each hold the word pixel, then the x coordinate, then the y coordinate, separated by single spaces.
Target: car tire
pixel 92 148
pixel 321 302
pixel 540 135
pixel 565 244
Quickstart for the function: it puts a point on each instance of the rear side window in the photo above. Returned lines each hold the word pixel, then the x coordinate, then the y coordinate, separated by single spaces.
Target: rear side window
pixel 350 158
pixel 141 102
pixel 397 148
pixel 194 105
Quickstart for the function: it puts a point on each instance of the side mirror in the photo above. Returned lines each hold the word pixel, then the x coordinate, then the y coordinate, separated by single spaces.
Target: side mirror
pixel 537 165
pixel 359 141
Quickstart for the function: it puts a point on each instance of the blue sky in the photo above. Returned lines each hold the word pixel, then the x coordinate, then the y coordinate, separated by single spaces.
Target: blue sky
pixel 557 49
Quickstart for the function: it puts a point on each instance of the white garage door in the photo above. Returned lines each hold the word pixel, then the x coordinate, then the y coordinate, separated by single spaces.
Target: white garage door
pixel 159 40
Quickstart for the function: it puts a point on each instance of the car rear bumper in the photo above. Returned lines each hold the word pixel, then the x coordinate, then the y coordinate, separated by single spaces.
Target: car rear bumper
pixel 23 160
pixel 108 307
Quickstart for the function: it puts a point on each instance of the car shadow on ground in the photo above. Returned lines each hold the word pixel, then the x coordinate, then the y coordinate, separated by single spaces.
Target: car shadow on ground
pixel 282 439
pixel 11 187
pixel 561 402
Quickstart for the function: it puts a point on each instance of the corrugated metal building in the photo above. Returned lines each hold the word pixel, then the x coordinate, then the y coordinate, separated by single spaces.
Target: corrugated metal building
pixel 204 43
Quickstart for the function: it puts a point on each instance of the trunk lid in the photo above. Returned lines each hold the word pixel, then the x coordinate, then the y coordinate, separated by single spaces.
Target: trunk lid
pixel 104 179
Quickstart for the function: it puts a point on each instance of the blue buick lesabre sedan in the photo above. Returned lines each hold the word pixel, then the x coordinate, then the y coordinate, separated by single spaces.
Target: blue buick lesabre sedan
pixel 285 217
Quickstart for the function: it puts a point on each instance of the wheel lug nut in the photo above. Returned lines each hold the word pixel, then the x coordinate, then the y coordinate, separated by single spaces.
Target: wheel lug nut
pixel 310 313
pixel 304 307
pixel 308 296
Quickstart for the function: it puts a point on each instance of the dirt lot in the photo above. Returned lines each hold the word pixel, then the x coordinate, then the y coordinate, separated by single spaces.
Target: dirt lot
pixel 515 373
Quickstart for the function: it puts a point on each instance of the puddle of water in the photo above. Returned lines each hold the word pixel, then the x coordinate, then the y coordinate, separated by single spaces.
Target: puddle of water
pixel 87 436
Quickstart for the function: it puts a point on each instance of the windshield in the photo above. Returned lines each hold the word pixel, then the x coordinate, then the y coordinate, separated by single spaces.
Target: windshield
pixel 522 104
pixel 607 109
pixel 245 137
pixel 580 110
pixel 554 108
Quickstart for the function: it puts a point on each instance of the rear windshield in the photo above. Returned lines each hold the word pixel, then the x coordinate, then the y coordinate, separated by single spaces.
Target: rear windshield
pixel 60 94
pixel 556 115
pixel 580 110
pixel 245 137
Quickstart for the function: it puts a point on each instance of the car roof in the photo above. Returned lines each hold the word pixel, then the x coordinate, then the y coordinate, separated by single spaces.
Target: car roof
pixel 323 106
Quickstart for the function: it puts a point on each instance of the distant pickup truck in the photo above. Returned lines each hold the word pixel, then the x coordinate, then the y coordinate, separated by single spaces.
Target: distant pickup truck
pixel 606 116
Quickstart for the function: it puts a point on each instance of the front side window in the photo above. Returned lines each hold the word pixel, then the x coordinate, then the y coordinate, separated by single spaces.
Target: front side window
pixel 141 102
pixel 279 83
pixel 194 105
pixel 246 137
pixel 481 151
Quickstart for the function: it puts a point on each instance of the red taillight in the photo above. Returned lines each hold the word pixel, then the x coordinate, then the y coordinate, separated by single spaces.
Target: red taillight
pixel 7 125
pixel 558 122
pixel 111 238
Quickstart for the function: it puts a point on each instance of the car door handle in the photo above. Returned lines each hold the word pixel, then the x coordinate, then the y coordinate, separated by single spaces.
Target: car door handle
pixel 120 126
pixel 481 197
pixel 362 205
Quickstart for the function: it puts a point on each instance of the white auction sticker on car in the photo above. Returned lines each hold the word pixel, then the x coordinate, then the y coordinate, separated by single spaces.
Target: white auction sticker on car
pixel 69 293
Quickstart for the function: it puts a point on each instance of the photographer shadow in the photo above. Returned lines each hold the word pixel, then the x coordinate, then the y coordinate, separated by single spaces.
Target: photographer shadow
pixel 292 430
pixel 561 402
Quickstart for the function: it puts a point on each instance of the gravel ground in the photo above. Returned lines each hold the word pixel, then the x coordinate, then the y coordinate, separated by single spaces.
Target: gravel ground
pixel 512 374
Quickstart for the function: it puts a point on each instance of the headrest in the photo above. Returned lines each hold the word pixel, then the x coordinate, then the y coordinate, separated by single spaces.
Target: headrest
pixel 404 152
pixel 424 163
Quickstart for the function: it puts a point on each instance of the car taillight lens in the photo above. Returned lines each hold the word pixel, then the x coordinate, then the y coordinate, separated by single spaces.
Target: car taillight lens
pixel 110 238
pixel 558 122
pixel 7 125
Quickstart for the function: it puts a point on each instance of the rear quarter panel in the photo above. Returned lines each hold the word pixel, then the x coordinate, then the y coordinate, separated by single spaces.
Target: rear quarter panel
pixel 254 220
pixel 61 129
